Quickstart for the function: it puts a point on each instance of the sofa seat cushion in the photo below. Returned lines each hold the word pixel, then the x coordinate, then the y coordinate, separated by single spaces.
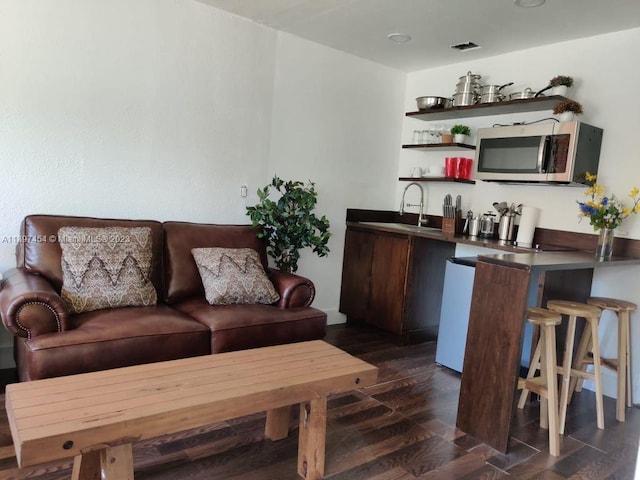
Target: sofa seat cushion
pixel 237 327
pixel 106 339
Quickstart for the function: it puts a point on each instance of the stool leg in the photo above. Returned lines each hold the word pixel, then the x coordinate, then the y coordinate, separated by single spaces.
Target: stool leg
pixel 581 361
pixel 545 404
pixel 550 365
pixel 566 371
pixel 627 332
pixel 535 365
pixel 597 371
pixel 622 368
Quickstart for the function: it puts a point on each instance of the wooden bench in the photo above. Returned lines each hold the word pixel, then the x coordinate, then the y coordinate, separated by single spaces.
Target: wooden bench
pixel 96 417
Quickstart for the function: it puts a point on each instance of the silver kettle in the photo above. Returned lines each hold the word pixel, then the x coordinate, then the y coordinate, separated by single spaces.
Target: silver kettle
pixel 486 224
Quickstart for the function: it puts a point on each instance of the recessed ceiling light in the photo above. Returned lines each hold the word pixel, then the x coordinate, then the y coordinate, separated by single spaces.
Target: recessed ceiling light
pixel 529 3
pixel 399 37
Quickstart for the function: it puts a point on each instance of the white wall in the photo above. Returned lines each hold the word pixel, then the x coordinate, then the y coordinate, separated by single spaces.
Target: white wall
pixel 161 109
pixel 336 121
pixel 602 70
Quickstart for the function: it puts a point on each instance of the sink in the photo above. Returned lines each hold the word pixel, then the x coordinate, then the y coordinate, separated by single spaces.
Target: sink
pixel 404 227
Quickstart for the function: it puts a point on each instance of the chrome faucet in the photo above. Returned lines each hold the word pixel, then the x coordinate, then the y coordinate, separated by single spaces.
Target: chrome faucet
pixel 421 218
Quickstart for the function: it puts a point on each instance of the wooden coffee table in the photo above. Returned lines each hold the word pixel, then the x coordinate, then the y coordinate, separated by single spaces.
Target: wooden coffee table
pixel 96 417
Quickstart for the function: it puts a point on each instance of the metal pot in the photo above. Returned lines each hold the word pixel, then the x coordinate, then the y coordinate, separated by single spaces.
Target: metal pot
pixel 469 77
pixel 464 99
pixel 495 89
pixel 429 103
pixel 468 88
pixel 491 97
pixel 527 93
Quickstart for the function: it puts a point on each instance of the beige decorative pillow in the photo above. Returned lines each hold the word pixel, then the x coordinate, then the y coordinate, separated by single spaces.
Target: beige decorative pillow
pixel 233 275
pixel 106 267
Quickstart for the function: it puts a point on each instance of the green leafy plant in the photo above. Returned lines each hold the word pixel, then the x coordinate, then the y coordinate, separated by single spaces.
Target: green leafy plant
pixel 561 80
pixel 567 106
pixel 288 224
pixel 460 130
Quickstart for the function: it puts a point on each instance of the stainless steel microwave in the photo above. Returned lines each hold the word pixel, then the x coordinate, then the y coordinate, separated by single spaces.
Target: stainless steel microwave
pixel 550 152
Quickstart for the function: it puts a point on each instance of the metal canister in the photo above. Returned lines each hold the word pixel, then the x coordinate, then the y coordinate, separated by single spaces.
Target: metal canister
pixel 505 226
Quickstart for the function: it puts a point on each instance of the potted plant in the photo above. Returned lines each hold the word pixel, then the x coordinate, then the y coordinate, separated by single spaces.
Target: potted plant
pixel 567 110
pixel 288 223
pixel 460 132
pixel 559 84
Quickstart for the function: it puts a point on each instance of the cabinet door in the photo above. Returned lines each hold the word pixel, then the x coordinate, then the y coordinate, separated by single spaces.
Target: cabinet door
pixel 356 274
pixel 388 280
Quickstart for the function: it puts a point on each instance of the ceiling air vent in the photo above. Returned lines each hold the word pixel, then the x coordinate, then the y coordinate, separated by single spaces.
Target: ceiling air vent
pixel 463 47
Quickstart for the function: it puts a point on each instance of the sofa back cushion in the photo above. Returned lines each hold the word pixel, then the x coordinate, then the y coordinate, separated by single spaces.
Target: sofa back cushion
pixel 39 250
pixel 106 267
pixel 182 279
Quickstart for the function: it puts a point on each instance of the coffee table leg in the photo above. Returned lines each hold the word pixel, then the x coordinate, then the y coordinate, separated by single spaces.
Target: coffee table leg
pixel 313 432
pixel 110 463
pixel 277 426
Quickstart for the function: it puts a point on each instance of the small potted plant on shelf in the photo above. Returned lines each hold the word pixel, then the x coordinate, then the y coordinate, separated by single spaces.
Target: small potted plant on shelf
pixel 460 133
pixel 567 110
pixel 559 84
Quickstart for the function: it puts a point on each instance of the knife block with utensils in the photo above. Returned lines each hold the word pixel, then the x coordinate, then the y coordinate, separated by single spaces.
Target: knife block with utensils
pixel 452 225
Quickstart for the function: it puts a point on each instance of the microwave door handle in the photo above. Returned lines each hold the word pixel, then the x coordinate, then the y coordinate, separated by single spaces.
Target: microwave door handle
pixel 542 154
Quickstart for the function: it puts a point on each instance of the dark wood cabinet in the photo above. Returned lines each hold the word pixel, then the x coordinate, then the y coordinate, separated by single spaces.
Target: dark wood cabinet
pixel 394 282
pixel 387 284
pixel 356 273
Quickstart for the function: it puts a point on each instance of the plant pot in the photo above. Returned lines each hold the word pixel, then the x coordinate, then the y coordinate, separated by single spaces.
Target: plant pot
pixel 559 90
pixel 567 116
pixel 459 138
pixel 604 249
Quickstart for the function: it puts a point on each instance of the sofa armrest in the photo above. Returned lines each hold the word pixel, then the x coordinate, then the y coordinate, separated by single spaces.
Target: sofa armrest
pixel 294 290
pixel 30 306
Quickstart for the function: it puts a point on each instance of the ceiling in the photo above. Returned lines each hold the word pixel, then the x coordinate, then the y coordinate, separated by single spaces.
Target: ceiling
pixel 360 27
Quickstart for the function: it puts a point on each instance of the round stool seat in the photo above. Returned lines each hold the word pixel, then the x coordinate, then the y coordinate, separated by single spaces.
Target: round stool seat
pixel 542 316
pixel 574 308
pixel 612 304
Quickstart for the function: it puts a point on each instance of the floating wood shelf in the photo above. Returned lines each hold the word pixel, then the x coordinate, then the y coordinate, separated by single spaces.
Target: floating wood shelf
pixel 485 109
pixel 444 146
pixel 436 179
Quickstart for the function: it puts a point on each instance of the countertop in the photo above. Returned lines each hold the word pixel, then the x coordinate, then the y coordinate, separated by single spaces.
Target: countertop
pixel 529 259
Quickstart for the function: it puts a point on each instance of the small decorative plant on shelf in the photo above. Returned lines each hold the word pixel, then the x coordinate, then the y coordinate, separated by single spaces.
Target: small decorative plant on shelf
pixel 567 109
pixel 606 214
pixel 288 224
pixel 560 80
pixel 559 84
pixel 460 132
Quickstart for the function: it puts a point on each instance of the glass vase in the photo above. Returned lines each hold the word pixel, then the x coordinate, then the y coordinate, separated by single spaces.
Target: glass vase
pixel 604 250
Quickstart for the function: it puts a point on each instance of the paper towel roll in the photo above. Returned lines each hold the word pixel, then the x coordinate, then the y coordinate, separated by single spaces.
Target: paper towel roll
pixel 528 221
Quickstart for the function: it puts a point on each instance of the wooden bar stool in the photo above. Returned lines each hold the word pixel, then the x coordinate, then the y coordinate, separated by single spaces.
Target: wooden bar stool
pixel 592 315
pixel 621 365
pixel 545 385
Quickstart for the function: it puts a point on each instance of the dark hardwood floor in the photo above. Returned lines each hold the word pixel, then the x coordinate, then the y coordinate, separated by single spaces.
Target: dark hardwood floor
pixel 401 428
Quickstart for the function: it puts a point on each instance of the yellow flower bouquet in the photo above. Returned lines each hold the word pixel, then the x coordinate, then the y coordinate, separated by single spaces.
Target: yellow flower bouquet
pixel 606 212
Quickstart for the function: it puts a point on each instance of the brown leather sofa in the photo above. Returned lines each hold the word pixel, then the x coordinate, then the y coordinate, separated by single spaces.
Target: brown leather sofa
pixel 50 341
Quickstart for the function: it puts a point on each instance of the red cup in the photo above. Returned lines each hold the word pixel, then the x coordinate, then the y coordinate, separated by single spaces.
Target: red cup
pixel 451 167
pixel 464 168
